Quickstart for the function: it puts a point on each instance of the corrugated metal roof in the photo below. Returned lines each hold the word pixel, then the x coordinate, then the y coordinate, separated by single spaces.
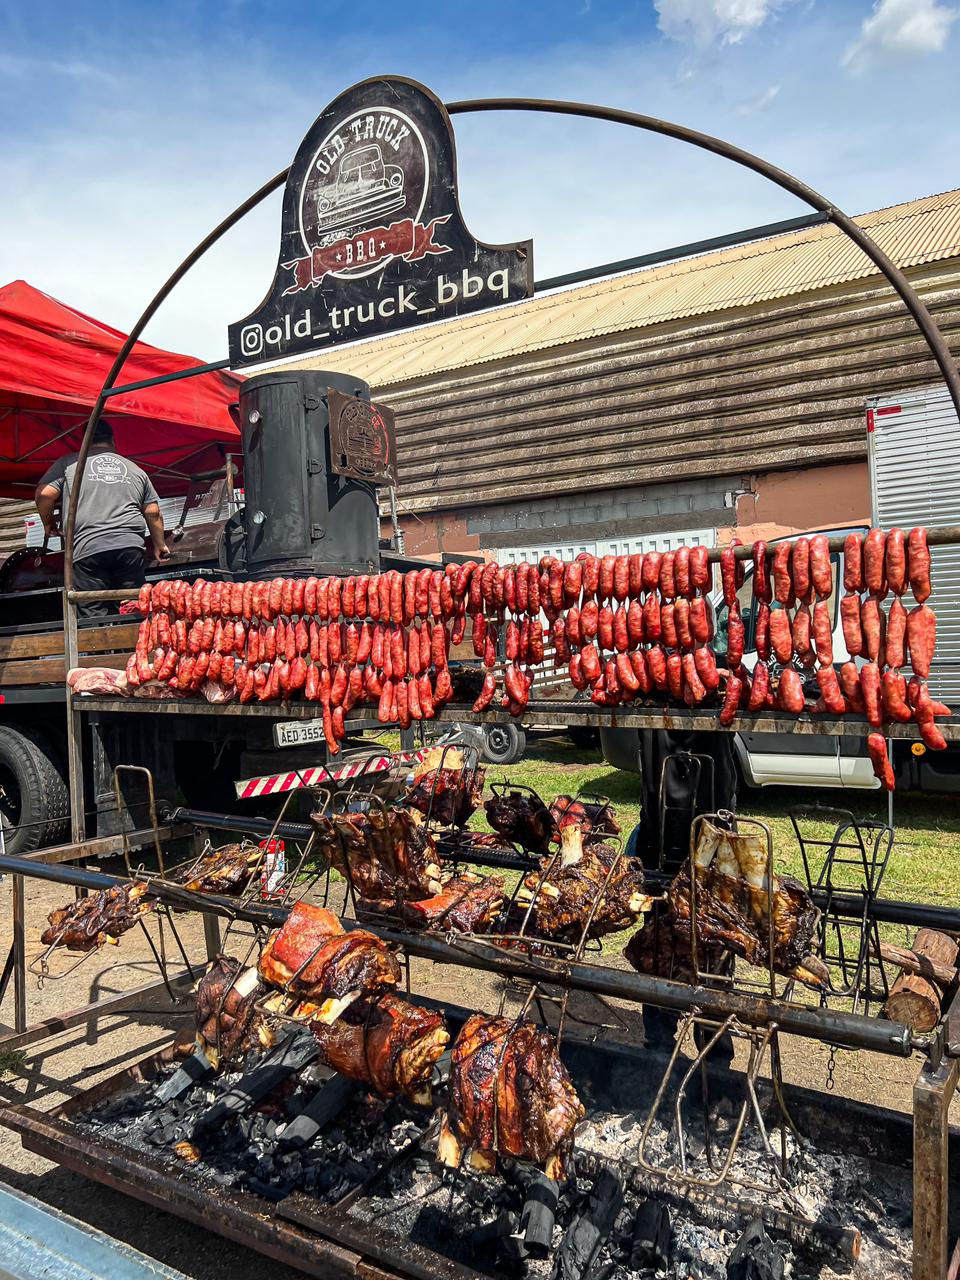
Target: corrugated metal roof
pixel 920 231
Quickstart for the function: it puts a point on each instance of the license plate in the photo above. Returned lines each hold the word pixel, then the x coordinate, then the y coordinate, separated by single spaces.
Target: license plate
pixel 297 733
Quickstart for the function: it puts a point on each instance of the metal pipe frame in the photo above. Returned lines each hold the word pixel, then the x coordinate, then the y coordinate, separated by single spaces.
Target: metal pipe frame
pixel 827 1026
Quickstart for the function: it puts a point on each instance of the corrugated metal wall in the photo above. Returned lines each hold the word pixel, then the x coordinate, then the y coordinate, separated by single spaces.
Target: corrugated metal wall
pixel 768 387
pixel 13 512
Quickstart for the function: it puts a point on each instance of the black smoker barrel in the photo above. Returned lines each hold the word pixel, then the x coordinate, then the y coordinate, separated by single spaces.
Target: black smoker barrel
pixel 299 514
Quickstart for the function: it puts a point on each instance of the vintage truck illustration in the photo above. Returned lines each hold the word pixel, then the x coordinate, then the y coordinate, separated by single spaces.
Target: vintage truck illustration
pixel 365 188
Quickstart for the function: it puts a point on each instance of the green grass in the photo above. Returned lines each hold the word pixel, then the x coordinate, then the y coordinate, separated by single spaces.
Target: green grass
pixel 12 1062
pixel 924 865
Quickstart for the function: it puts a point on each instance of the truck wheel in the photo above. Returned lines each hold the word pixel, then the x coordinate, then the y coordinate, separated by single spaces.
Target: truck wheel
pixel 503 743
pixel 35 804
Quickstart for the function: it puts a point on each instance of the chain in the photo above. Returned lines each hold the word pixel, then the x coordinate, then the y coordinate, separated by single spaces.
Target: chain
pixel 831 1065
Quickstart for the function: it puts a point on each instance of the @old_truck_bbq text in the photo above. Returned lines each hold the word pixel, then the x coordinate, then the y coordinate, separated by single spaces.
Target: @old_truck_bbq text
pixel 317 322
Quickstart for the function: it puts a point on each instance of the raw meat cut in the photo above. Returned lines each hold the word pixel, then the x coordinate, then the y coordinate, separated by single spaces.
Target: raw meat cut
pixel 100 680
pixel 509 1094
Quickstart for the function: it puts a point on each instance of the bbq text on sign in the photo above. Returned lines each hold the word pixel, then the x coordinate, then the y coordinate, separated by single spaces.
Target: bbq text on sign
pixel 372 237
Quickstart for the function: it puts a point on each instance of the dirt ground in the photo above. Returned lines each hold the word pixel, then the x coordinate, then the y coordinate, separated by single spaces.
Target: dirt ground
pixel 65 1065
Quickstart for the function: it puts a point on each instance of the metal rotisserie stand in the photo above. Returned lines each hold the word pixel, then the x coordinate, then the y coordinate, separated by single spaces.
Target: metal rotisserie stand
pixel 329 1239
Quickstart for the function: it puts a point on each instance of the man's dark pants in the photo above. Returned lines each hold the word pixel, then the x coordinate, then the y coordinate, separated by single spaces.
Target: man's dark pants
pixel 107 571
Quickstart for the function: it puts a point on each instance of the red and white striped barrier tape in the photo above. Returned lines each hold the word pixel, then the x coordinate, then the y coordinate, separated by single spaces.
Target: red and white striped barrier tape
pixel 275 784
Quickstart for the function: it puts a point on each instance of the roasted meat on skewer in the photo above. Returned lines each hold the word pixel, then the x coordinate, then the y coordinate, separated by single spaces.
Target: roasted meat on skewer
pixel 467 904
pixel 596 888
pixel 387 856
pixel 102 917
pixel 386 1043
pixel 595 818
pixel 733 903
pixel 313 956
pixel 660 950
pixel 444 790
pixel 509 1093
pixel 228 1022
pixel 522 818
pixel 224 870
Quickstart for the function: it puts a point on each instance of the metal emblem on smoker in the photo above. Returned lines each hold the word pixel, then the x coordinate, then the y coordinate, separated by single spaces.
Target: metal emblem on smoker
pixel 362 441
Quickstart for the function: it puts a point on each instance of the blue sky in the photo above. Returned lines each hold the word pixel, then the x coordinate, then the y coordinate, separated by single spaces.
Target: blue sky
pixel 127 130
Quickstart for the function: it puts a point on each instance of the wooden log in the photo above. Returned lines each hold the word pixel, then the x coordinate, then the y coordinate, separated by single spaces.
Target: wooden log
pixel 913 1000
pixel 925 966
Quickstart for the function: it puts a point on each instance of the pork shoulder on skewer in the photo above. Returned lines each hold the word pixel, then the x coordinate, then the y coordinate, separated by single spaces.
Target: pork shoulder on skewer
pixel 564 900
pixel 224 870
pixel 228 1022
pixel 595 818
pixel 441 789
pixel 102 917
pixel 509 1093
pixel 312 955
pixel 524 819
pixel 386 1043
pixel 388 856
pixel 467 903
pixel 733 900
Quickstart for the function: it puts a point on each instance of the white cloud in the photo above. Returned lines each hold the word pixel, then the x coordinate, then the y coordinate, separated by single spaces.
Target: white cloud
pixel 705 22
pixel 759 102
pixel 900 29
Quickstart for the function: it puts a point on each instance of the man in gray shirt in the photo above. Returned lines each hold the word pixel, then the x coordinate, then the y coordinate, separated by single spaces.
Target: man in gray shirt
pixel 116 497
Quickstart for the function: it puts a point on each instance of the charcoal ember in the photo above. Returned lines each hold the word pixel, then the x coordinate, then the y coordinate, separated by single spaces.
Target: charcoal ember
pixel 650 1236
pixel 589 1229
pixel 539 1214
pixel 755 1256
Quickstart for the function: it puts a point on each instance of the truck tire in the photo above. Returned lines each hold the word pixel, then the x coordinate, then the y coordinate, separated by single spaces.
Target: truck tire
pixel 503 743
pixel 35 809
pixel 621 748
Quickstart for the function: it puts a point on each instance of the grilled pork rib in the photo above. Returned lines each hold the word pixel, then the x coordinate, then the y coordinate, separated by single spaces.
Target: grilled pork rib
pixel 224 870
pixel 228 1023
pixel 387 1043
pixel 576 880
pixel 312 955
pixel 388 856
pixel 522 818
pixel 441 790
pixel 467 904
pixel 509 1093
pixel 102 917
pixel 733 906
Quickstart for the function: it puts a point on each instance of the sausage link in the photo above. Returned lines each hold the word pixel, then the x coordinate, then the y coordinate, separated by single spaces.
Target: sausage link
pixel 486 693
pixel 621 632
pixel 607 572
pixel 635 630
pixel 921 638
pixel 821 570
pixel 800 568
pixel 694 690
pixel 668 577
pixel 591 576
pixel 850 684
pixel 853 563
pixel 560 647
pixel 923 714
pixel 873 567
pixel 572 581
pixel 511 640
pixel 681 569
pixel 895 648
pixel 781 637
pixel 523 586
pixel 675 676
pixel 877 750
pixel 627 676
pixel 918 557
pixel 652 625
pixel 823 632
pixel 871 624
pixel 732 695
pixel 636 576
pixel 590 663
pixel 850 621
pixel 681 614
pixel 700 575
pixel 893 694
pixel 762 586
pixel 790 691
pixel 572 625
pixel 736 636
pixel 577 678
pixel 728 574
pixel 700 622
pixel 706 665
pixel 895 561
pixel 657 666
pixel 870 688
pixel 640 669
pixel 668 625
pixel 760 687
pixel 605 628
pixel 651 570
pixel 782 579
pixel 762 639
pixel 802 631
pixel 830 689
pixel 621 578
pixel 536 641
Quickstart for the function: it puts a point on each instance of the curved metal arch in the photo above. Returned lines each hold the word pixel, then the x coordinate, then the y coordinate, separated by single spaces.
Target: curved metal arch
pixel 706 142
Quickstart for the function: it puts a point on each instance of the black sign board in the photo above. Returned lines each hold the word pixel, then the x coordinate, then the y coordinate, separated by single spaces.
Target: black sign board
pixel 363 445
pixel 372 237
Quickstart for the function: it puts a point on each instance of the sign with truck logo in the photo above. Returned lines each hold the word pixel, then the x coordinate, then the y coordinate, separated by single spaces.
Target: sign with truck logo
pixel 372 237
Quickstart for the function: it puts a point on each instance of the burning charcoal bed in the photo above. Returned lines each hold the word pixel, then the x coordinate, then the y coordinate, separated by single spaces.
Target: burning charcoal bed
pixel 371 1172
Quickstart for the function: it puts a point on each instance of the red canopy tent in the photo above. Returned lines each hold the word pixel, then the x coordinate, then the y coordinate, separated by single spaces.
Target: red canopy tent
pixel 53 360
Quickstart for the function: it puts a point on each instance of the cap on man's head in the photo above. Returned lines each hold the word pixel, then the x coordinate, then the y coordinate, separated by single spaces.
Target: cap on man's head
pixel 102 433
